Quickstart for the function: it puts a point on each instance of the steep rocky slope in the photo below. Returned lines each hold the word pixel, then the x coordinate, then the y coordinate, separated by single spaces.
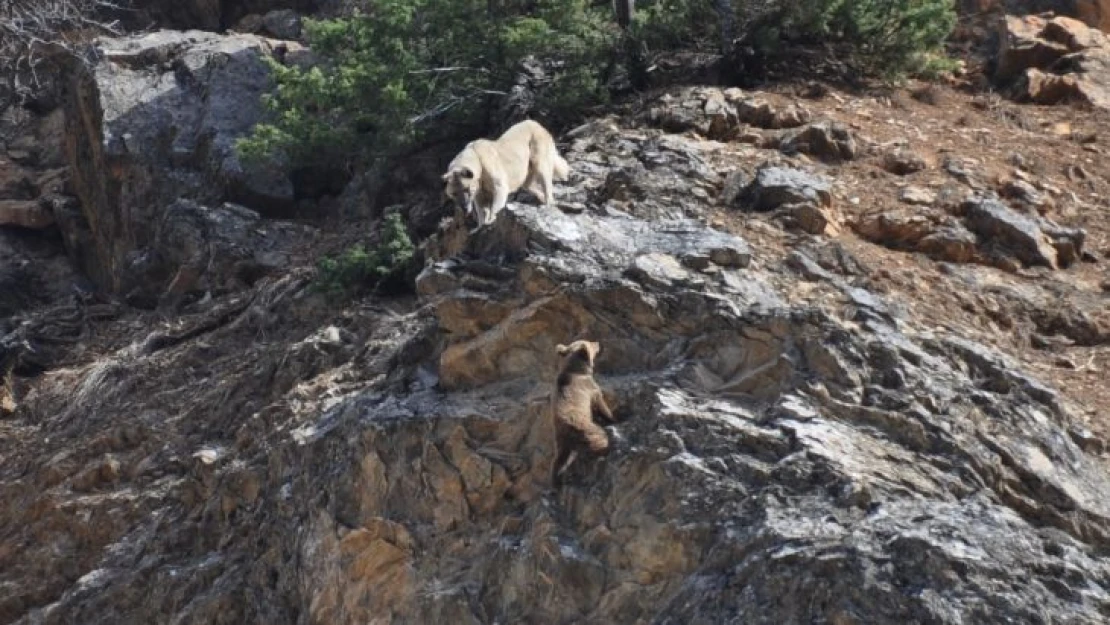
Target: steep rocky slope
pixel 858 342
pixel 819 426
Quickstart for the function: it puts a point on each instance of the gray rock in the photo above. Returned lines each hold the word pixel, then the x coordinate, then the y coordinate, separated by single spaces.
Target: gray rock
pixel 963 170
pixel 890 418
pixel 918 195
pixel 775 186
pixel 155 119
pixel 298 465
pixel 807 217
pixel 758 112
pixel 998 224
pixel 607 243
pixel 1025 193
pixel 954 244
pixel 828 141
pixel 651 178
pixel 903 162
pixel 658 270
pixel 721 114
pixel 282 24
pixel 1067 241
pixel 198 250
pixel 34 271
pixel 807 267
pixel 991 233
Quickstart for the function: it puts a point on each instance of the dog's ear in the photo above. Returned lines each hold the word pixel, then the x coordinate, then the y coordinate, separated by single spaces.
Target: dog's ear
pixel 562 349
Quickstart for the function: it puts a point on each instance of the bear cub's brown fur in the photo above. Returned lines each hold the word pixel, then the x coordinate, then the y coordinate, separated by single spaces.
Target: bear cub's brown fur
pixel 577 400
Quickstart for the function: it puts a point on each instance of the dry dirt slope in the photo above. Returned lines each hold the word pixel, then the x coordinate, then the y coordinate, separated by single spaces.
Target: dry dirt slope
pixel 820 428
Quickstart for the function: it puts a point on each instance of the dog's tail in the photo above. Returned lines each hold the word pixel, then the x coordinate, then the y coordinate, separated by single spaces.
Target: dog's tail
pixel 561 169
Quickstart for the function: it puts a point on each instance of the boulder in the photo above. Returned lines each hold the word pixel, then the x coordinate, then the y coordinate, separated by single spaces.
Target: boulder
pixel 999 225
pixel 950 243
pixel 723 381
pixel 198 250
pixel 826 141
pixel 155 119
pixel 1057 59
pixel 1021 46
pixel 1027 195
pixel 1081 77
pixel 776 186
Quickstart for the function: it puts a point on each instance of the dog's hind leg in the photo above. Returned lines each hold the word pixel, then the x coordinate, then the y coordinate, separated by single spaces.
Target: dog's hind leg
pixel 548 189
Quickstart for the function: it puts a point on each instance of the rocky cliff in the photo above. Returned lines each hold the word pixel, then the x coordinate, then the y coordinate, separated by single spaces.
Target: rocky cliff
pixel 857 343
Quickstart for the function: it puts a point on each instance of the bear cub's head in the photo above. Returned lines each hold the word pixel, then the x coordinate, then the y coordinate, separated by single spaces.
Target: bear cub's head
pixel 579 356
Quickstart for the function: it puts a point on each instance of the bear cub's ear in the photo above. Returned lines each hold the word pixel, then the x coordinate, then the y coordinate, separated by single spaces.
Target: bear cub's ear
pixel 562 349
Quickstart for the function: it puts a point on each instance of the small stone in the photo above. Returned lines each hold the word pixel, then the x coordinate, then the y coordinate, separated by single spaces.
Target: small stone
pixel 660 270
pixel 904 162
pixel 918 196
pixel 811 219
pixel 1022 191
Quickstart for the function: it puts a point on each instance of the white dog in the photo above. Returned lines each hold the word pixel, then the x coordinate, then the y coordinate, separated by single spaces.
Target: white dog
pixel 483 175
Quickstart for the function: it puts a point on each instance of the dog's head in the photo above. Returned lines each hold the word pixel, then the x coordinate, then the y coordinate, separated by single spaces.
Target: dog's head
pixel 460 186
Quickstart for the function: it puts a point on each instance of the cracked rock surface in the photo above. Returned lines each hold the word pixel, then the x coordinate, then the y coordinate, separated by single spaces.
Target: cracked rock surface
pixel 794 444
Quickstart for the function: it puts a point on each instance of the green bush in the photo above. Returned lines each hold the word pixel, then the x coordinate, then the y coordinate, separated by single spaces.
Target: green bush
pixel 408 69
pixel 673 24
pixel 886 37
pixel 384 267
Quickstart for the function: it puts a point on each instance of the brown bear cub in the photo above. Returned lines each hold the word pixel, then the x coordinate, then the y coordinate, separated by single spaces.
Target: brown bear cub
pixel 576 401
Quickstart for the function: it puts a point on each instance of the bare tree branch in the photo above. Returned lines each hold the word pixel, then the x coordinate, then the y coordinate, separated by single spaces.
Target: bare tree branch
pixel 37 32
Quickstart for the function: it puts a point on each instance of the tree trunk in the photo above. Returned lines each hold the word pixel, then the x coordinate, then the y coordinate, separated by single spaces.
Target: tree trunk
pixel 726 17
pixel 624 9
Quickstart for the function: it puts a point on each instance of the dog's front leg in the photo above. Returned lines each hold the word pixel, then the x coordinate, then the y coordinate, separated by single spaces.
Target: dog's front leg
pixel 472 208
pixel 500 199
